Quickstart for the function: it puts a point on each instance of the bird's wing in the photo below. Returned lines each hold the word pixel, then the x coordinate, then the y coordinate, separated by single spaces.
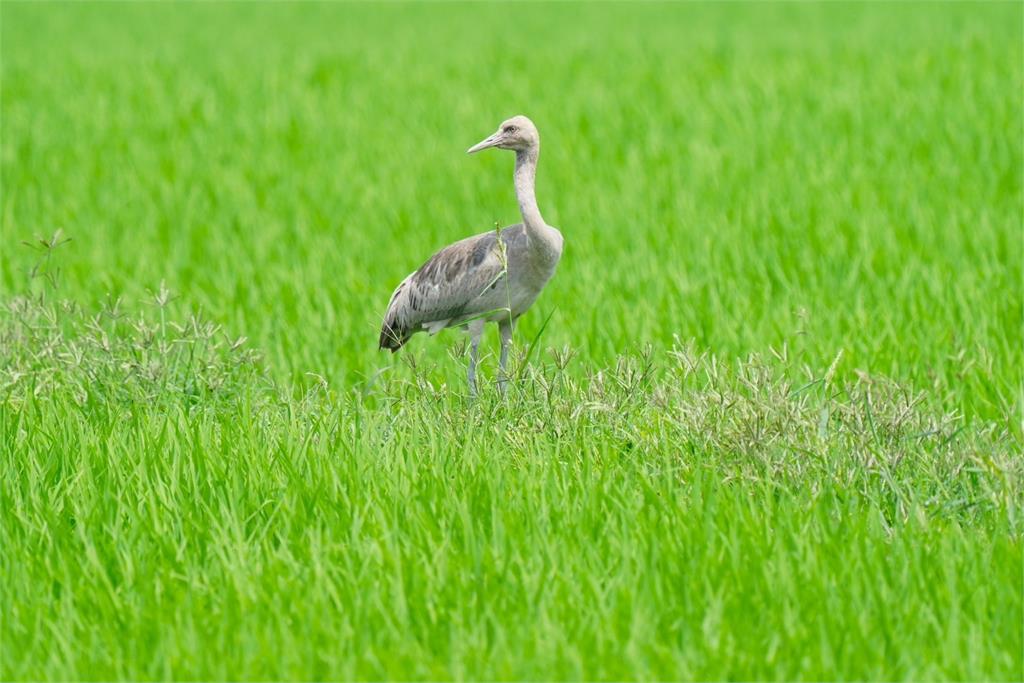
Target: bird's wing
pixel 446 286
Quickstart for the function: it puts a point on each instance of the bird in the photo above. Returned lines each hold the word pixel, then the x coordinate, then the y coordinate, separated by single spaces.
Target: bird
pixel 491 277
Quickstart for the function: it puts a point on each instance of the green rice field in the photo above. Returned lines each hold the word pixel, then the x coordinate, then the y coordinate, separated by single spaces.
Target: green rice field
pixel 763 424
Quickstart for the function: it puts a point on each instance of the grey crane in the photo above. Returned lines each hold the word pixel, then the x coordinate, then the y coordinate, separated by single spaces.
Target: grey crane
pixel 477 280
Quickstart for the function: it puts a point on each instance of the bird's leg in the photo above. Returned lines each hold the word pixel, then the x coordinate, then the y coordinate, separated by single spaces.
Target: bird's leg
pixel 476 329
pixel 505 328
pixel 472 366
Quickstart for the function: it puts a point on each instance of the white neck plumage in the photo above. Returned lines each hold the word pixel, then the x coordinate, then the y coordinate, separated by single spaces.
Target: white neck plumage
pixel 545 241
pixel 525 180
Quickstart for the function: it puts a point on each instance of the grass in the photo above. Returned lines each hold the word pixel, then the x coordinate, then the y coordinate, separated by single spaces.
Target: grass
pixel 769 427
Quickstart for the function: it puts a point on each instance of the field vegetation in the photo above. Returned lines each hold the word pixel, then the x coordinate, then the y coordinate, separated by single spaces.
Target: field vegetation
pixel 764 423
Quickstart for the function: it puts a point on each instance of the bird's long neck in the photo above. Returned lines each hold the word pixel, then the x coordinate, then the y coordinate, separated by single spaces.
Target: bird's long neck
pixel 525 179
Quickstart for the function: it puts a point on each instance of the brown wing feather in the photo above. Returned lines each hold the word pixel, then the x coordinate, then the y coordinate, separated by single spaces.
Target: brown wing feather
pixel 444 287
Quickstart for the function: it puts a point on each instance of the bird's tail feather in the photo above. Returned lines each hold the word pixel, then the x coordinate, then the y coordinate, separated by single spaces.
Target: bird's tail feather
pixel 392 338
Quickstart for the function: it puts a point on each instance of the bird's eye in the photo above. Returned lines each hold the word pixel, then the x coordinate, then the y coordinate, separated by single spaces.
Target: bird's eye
pixel 510 129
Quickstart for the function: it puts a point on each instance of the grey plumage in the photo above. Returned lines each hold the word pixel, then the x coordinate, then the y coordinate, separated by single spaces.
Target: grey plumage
pixel 478 279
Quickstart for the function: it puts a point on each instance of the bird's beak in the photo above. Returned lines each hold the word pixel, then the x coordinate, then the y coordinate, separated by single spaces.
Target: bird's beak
pixel 484 144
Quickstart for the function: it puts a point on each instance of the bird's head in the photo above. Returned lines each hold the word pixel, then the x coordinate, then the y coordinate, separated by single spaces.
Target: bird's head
pixel 516 133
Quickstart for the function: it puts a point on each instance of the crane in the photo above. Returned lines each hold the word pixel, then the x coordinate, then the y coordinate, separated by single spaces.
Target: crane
pixel 492 277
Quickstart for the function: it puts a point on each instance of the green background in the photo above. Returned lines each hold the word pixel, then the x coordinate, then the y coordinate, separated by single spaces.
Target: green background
pixel 833 176
pixel 842 181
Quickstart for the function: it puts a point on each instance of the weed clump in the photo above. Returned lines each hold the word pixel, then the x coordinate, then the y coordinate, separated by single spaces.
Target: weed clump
pixel 58 349
pixel 765 418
